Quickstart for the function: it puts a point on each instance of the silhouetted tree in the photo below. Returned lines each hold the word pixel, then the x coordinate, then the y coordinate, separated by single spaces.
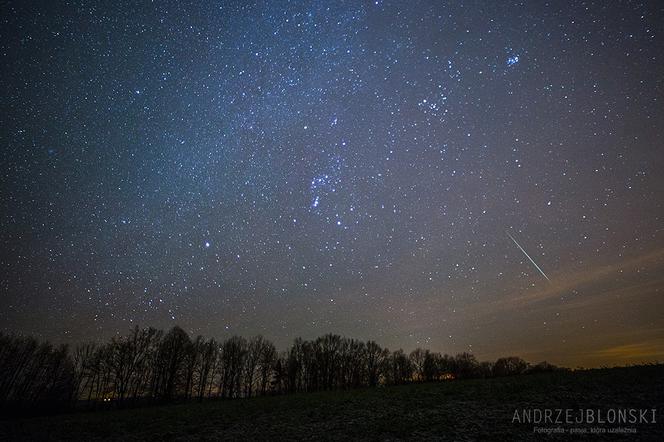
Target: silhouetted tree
pixel 376 358
pixel 465 366
pixel 146 363
pixel 82 374
pixel 233 353
pixel 509 366
pixel 208 355
pixel 432 367
pixel 266 365
pixel 417 359
pixel 399 369
pixel 172 356
pixel 542 367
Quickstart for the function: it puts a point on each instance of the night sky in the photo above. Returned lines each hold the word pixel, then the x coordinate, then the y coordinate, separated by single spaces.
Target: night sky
pixel 299 168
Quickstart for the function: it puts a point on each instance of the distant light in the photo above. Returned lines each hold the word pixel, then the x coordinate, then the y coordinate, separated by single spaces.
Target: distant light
pixel 511 61
pixel 207 244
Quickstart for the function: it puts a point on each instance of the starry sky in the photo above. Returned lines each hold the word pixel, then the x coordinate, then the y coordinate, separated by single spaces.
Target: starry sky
pixel 304 167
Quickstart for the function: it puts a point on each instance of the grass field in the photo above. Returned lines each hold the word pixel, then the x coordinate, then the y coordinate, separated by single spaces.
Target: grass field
pixel 458 410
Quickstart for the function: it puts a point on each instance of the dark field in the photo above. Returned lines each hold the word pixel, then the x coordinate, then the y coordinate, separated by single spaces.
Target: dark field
pixel 457 410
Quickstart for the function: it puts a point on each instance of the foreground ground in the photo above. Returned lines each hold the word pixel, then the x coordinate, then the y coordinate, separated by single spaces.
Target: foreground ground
pixel 458 410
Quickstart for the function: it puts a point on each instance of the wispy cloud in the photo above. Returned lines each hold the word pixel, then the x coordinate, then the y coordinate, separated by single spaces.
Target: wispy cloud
pixel 602 314
pixel 595 278
pixel 640 351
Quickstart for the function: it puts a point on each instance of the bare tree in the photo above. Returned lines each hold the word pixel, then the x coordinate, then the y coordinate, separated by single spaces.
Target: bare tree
pixel 375 360
pixel 233 353
pixel 509 366
pixel 209 352
pixel 417 358
pixel 146 363
pixel 266 365
pixel 253 356
pixel 82 362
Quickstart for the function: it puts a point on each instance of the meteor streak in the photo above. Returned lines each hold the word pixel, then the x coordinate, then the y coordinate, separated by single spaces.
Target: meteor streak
pixel 528 256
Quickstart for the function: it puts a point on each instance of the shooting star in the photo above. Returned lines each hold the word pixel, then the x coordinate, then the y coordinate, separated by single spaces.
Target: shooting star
pixel 528 256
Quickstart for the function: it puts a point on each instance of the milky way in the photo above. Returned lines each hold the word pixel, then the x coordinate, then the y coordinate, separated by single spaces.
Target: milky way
pixel 297 168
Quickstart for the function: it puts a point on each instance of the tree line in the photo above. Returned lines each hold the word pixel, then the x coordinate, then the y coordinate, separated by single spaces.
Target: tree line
pixel 152 365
